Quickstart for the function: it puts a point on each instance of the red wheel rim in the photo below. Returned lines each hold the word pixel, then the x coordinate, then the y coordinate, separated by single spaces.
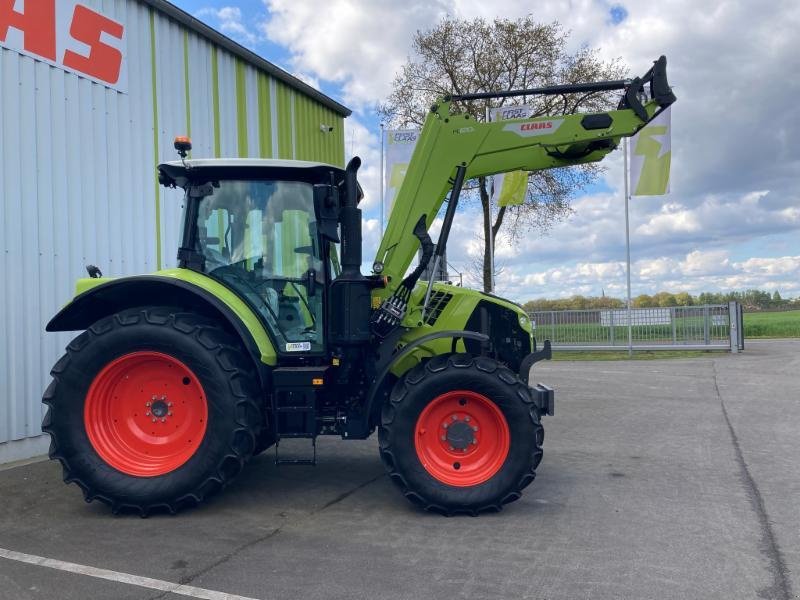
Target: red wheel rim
pixel 145 414
pixel 462 438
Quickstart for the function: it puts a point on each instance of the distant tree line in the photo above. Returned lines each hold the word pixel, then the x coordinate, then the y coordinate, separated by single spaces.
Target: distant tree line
pixel 750 299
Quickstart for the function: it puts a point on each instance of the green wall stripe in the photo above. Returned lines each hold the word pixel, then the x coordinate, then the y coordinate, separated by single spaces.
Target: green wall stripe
pixel 327 138
pixel 338 140
pixel 313 143
pixel 241 109
pixel 155 133
pixel 301 152
pixel 264 117
pixel 186 83
pixel 299 137
pixel 293 121
pixel 322 136
pixel 215 101
pixel 284 122
pixel 297 140
pixel 303 132
pixel 342 141
pixel 313 133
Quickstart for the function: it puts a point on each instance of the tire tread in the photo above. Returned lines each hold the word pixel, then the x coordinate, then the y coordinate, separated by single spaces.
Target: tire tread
pixel 431 368
pixel 230 358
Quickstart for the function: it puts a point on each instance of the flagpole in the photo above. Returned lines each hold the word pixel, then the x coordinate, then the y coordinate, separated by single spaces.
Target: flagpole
pixel 491 244
pixel 383 179
pixel 491 233
pixel 627 247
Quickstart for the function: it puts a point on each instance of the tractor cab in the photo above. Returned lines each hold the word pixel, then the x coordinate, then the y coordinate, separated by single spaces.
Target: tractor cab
pixel 253 226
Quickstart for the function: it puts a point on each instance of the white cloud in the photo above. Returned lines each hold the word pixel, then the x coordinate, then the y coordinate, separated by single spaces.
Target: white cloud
pixel 734 165
pixel 783 266
pixel 672 219
pixel 371 235
pixel 359 45
pixel 698 262
pixel 229 21
pixel 698 271
pixel 362 142
pixel 657 269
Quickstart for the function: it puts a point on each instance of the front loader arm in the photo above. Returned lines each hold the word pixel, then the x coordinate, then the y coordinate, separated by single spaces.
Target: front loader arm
pixel 450 140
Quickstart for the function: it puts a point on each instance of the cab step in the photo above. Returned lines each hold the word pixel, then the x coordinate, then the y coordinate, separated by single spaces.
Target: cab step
pixel 297 461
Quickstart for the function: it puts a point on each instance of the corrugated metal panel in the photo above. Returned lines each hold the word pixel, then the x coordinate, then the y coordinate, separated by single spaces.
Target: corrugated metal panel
pixel 284 126
pixel 247 55
pixel 200 97
pixel 73 155
pixel 253 111
pixel 78 179
pixel 229 143
pixel 314 143
pixel 172 121
pixel 265 117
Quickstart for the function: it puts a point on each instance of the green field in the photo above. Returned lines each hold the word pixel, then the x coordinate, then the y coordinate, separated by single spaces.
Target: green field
pixel 623 354
pixel 772 324
pixel 756 325
pixel 684 329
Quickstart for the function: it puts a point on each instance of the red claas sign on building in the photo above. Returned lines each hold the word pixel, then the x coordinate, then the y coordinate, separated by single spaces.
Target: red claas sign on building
pixel 66 34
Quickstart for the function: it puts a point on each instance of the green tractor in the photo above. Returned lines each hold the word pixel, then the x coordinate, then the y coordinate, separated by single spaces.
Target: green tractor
pixel 262 334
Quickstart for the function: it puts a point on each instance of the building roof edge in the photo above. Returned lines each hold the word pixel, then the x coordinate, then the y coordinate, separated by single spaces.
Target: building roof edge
pixel 187 20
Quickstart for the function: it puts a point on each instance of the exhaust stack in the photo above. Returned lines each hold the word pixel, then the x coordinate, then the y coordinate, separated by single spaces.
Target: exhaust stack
pixel 350 218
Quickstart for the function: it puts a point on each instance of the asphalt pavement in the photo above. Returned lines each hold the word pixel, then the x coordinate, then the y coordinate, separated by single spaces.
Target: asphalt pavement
pixel 671 478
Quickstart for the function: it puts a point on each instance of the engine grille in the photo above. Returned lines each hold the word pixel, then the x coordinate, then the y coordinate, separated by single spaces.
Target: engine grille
pixel 438 302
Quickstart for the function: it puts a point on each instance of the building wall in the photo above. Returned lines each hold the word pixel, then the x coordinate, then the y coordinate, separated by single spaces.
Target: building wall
pixel 78 177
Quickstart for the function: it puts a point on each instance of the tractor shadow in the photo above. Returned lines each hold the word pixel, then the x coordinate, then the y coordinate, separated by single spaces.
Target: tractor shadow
pixel 348 475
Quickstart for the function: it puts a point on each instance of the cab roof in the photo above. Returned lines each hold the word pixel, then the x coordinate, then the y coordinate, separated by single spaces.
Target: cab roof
pixel 176 173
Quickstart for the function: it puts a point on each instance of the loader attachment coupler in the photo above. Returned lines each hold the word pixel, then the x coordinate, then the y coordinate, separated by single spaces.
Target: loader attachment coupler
pixel 659 90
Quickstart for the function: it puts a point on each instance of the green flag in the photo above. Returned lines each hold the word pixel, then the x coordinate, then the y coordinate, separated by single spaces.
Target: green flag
pixel 510 188
pixel 651 153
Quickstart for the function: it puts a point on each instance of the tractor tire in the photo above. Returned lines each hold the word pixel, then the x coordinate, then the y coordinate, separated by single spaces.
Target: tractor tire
pixel 152 410
pixel 461 434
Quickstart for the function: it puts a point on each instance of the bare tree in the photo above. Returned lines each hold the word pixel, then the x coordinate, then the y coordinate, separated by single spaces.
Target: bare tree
pixel 460 56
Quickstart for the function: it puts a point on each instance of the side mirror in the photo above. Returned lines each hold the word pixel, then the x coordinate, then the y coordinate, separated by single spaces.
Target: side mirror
pixel 326 205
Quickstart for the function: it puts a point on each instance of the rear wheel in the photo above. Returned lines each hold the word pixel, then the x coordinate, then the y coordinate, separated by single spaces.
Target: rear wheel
pixel 151 409
pixel 461 434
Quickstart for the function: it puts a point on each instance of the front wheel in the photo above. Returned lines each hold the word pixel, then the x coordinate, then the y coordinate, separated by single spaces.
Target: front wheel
pixel 461 434
pixel 152 409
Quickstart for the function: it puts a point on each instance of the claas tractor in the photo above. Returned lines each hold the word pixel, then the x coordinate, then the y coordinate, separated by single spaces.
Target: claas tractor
pixel 268 330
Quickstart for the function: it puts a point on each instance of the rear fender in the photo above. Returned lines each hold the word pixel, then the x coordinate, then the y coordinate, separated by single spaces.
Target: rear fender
pixel 204 296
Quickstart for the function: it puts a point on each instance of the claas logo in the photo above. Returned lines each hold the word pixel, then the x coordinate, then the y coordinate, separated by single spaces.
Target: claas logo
pixel 50 34
pixel 405 137
pixel 537 125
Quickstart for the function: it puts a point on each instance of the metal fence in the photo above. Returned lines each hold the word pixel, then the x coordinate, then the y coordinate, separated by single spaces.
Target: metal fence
pixel 710 327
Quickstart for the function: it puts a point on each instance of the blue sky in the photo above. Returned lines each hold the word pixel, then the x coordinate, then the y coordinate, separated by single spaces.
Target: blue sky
pixel 732 220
